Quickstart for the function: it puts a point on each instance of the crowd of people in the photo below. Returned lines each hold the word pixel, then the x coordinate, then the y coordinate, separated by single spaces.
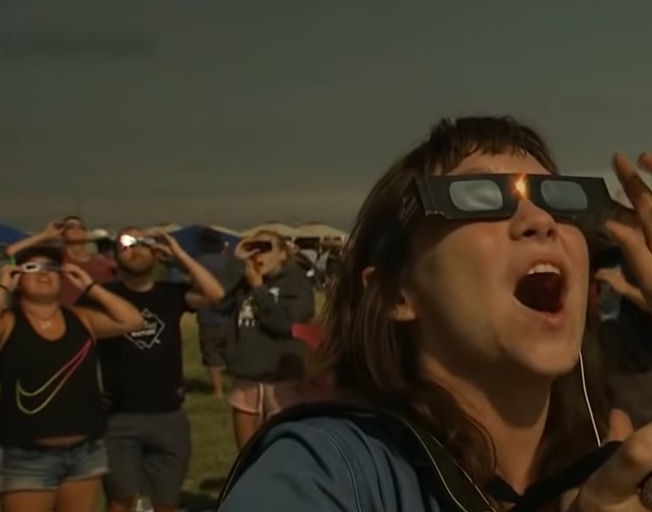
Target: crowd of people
pixel 91 371
pixel 483 336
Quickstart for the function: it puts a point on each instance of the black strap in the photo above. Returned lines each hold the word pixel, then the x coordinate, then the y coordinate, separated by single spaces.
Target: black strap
pixel 542 493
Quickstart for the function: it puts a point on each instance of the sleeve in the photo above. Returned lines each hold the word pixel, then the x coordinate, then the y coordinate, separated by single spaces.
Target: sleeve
pixel 295 305
pixel 300 470
pixel 232 274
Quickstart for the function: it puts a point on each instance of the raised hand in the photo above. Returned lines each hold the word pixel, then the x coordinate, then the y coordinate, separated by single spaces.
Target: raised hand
pixel 53 230
pixel 636 245
pixel 9 277
pixel 78 277
pixel 241 252
pixel 252 274
pixel 168 245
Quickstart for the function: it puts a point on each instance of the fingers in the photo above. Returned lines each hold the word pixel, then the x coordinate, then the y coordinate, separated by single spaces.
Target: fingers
pixel 164 249
pixel 612 278
pixel 617 481
pixel 645 161
pixel 620 425
pixel 606 274
pixel 637 253
pixel 636 189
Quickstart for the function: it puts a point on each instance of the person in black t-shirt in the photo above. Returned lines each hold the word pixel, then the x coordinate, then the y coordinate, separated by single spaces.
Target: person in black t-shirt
pixel 148 435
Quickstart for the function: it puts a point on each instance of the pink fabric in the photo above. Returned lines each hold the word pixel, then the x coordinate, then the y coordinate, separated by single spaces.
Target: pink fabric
pixel 263 398
pixel 98 267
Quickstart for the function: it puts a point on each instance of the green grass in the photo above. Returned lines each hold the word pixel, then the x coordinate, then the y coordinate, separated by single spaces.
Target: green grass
pixel 213 447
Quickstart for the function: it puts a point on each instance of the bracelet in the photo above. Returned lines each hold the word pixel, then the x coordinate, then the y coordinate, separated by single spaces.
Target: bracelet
pixel 88 288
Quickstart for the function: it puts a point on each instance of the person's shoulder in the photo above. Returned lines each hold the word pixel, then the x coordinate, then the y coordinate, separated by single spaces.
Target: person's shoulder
pixel 295 273
pixel 349 438
pixel 114 286
pixel 335 458
pixel 361 437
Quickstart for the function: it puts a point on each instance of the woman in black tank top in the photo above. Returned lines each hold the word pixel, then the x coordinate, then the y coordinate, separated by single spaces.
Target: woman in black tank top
pixel 50 403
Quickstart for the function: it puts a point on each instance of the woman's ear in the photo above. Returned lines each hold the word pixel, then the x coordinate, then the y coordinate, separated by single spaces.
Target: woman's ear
pixel 367 272
pixel 403 310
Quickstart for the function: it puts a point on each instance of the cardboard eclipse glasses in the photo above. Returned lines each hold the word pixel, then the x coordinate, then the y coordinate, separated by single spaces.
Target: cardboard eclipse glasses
pixel 130 241
pixel 32 267
pixel 584 201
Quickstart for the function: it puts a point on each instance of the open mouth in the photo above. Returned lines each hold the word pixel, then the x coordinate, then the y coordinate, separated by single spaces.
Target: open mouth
pixel 542 289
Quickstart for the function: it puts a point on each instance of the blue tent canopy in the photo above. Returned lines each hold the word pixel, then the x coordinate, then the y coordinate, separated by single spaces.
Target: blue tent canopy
pixel 188 238
pixel 9 235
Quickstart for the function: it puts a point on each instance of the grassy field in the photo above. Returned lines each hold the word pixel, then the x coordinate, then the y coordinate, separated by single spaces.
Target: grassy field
pixel 212 434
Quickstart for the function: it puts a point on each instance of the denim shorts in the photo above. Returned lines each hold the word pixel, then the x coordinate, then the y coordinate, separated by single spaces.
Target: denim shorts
pixel 41 469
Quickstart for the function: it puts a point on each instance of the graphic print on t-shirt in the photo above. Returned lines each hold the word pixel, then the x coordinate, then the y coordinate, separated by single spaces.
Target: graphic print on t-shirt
pixel 149 334
pixel 56 382
pixel 247 313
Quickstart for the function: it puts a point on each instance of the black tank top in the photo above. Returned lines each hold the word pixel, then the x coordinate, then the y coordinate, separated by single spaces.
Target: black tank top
pixel 49 388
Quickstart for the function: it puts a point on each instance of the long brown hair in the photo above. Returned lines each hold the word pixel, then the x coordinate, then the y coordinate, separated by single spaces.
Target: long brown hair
pixel 376 357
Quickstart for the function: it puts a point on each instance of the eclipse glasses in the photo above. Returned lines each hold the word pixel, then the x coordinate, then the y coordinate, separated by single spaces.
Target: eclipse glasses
pixel 131 241
pixel 32 267
pixel 584 201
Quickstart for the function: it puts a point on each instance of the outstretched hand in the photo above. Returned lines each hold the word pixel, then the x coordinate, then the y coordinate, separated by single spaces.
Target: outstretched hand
pixel 78 277
pixel 636 245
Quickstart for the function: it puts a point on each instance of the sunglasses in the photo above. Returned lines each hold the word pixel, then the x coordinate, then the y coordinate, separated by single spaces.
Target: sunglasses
pixel 259 246
pixel 32 267
pixel 578 200
pixel 131 241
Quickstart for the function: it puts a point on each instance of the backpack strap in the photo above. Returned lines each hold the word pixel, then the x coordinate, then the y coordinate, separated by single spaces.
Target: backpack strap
pixel 452 483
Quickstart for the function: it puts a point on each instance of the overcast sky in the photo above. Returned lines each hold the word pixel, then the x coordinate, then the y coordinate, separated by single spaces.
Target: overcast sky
pixel 236 112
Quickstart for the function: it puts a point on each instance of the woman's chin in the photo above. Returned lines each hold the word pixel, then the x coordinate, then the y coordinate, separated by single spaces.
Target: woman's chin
pixel 549 362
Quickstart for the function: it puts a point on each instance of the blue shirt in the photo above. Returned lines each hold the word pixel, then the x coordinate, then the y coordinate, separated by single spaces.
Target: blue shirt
pixel 328 465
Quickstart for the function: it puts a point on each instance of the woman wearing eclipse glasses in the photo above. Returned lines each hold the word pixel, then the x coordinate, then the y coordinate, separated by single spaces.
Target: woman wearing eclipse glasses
pixel 52 421
pixel 458 334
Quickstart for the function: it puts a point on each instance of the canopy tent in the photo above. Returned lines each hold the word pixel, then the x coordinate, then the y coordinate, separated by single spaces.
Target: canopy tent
pixel 9 235
pixel 225 231
pixel 319 230
pixel 188 238
pixel 163 228
pixel 280 228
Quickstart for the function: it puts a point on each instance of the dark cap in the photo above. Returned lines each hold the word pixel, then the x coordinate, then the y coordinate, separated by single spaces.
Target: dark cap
pixel 44 251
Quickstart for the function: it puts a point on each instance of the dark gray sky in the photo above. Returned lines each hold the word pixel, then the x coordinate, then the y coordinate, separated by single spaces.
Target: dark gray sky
pixel 138 111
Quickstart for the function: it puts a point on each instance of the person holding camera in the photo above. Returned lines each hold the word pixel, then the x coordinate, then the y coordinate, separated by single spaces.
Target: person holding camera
pixel 263 357
pixel 51 433
pixel 74 235
pixel 148 434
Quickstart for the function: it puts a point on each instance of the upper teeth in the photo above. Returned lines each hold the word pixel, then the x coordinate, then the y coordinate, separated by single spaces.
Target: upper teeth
pixel 544 268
